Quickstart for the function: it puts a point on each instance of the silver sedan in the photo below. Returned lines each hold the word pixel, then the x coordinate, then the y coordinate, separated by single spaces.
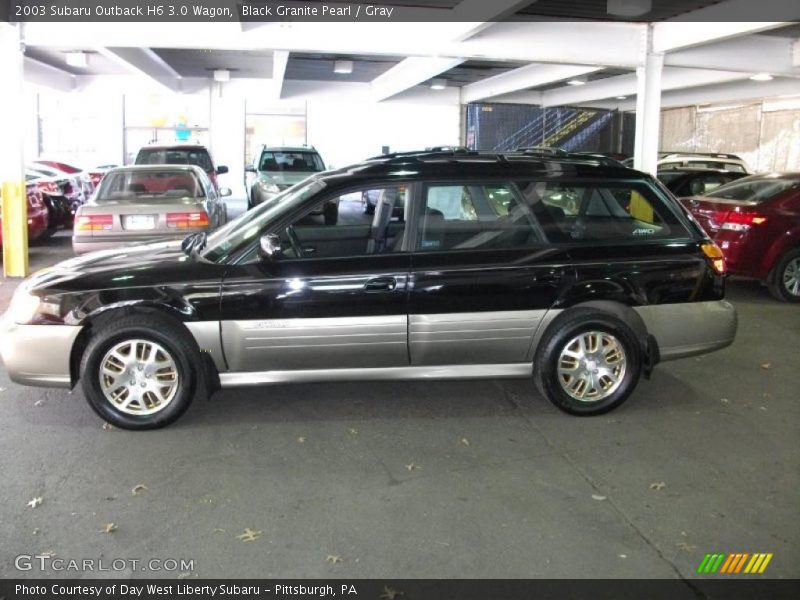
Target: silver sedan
pixel 152 203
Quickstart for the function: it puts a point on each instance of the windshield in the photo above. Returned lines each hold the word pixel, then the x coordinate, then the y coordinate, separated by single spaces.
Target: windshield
pixel 163 156
pixel 290 161
pixel 755 191
pixel 250 225
pixel 133 184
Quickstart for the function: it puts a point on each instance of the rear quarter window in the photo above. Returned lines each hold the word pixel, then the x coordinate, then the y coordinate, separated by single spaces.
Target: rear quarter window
pixel 594 212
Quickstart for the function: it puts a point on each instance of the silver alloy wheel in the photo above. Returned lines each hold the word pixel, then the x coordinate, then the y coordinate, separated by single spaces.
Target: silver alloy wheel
pixel 591 366
pixel 791 277
pixel 138 377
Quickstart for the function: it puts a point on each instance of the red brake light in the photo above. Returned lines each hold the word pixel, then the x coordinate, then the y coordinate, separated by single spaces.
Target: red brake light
pixel 94 223
pixel 738 221
pixel 188 219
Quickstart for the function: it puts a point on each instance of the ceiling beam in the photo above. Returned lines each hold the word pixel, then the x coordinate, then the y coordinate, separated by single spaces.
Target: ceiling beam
pixel 721 21
pixel 730 92
pixel 625 85
pixel 753 54
pixel 39 73
pixel 409 73
pixel 280 59
pixel 414 70
pixel 145 62
pixel 525 77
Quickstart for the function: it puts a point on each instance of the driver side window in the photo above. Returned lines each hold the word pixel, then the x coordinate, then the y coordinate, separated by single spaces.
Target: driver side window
pixel 359 223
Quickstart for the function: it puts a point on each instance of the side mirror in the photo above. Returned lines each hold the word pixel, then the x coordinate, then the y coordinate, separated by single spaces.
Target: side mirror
pixel 225 192
pixel 221 170
pixel 249 169
pixel 269 247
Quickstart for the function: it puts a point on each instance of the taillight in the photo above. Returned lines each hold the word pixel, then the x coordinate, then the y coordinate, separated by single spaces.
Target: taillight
pixel 187 219
pixel 738 221
pixel 48 187
pixel 715 257
pixel 94 223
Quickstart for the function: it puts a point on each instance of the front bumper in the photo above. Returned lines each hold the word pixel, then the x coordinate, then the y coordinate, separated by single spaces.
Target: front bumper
pixel 38 354
pixel 690 328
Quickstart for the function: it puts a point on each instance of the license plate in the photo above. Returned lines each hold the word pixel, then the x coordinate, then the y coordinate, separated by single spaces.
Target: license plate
pixel 139 222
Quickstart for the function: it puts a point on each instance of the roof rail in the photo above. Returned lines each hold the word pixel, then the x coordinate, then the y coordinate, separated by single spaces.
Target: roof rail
pixel 708 154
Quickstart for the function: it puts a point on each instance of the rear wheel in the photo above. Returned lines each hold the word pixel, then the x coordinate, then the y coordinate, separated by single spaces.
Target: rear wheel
pixel 785 281
pixel 139 372
pixel 588 362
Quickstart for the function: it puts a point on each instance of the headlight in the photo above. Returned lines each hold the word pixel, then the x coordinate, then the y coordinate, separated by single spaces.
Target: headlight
pixel 269 188
pixel 27 308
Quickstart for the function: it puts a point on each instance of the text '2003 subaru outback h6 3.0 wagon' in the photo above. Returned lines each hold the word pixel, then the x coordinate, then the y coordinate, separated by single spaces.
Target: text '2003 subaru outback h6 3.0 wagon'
pixel 577 274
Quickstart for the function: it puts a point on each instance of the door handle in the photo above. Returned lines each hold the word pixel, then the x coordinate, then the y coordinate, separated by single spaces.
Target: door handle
pixel 381 284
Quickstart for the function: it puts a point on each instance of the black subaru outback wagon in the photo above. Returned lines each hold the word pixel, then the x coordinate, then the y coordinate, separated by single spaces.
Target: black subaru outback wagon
pixel 578 275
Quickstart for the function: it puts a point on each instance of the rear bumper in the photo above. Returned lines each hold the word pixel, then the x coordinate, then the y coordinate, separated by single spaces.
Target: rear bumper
pixel 38 354
pixel 691 328
pixel 83 244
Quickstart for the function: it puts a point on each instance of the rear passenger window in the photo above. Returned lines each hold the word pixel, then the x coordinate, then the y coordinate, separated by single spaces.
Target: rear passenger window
pixel 600 212
pixel 475 217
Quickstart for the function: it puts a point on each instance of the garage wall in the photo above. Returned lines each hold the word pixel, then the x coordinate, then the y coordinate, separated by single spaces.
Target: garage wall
pixel 766 134
pixel 86 126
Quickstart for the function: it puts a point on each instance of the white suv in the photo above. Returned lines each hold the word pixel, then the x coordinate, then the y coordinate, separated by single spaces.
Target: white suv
pixel 677 160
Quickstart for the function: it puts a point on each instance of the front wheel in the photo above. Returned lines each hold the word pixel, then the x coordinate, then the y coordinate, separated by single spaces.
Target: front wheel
pixel 785 281
pixel 139 372
pixel 588 362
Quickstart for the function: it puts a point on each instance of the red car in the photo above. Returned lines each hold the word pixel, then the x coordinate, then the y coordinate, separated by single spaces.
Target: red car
pixel 37 214
pixel 756 222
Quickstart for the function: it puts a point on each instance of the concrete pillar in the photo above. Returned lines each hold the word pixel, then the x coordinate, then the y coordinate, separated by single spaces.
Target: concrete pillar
pixel 12 167
pixel 648 110
pixel 227 135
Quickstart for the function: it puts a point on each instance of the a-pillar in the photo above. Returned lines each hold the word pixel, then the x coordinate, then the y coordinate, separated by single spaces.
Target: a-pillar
pixel 12 170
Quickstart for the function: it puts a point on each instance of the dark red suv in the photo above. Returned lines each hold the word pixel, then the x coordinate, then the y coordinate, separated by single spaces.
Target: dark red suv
pixel 756 222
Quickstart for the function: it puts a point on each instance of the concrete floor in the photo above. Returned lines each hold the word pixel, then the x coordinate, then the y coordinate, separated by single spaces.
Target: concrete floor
pixel 440 480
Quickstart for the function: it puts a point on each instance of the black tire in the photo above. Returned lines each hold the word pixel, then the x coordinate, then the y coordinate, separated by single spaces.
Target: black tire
pixel 776 284
pixel 330 213
pixel 565 328
pixel 154 328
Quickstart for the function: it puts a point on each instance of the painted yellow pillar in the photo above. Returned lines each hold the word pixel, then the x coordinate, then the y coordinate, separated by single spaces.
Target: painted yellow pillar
pixel 12 169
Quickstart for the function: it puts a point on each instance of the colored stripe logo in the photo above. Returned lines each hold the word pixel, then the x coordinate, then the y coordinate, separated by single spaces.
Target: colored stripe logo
pixel 734 564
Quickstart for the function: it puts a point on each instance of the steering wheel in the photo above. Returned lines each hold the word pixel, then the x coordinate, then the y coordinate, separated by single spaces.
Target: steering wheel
pixel 294 241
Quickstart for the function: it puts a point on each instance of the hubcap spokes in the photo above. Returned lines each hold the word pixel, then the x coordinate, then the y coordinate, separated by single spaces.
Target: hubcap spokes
pixel 138 377
pixel 591 366
pixel 791 277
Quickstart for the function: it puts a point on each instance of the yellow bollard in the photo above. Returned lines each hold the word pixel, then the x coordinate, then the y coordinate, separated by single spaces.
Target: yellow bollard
pixel 15 228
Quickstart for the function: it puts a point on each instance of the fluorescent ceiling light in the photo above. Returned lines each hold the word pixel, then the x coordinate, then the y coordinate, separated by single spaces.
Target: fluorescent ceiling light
pixel 343 67
pixel 577 81
pixel 77 59
pixel 438 84
pixel 222 75
pixel 629 8
pixel 761 77
pixel 622 97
